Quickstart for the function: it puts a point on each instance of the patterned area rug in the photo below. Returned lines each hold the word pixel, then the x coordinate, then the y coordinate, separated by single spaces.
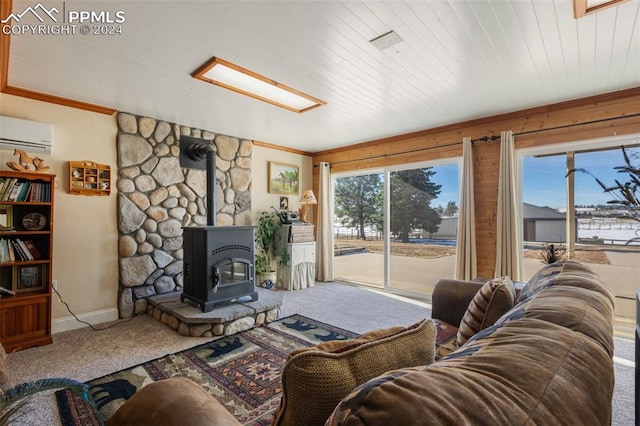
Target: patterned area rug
pixel 242 371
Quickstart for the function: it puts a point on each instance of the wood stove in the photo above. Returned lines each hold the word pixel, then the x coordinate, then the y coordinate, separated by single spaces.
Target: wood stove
pixel 218 265
pixel 219 261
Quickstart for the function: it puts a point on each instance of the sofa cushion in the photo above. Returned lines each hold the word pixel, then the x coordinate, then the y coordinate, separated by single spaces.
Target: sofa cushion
pixel 315 379
pixel 493 300
pixel 575 308
pixel 566 273
pixel 527 372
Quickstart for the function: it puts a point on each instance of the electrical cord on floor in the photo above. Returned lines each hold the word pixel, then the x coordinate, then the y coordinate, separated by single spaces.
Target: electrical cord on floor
pixel 61 300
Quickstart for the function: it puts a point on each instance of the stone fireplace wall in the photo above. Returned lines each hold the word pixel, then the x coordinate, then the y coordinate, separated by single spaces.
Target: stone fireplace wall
pixel 156 198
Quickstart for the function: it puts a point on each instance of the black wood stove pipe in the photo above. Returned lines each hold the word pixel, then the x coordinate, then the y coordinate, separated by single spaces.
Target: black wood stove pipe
pixel 196 152
pixel 211 187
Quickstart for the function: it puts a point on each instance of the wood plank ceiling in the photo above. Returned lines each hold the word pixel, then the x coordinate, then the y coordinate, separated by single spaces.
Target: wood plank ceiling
pixel 458 60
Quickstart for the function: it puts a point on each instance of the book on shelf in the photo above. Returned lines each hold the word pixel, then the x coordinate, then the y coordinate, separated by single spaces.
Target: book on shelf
pixel 19 254
pixel 4 251
pixel 23 191
pixel 35 192
pixel 39 192
pixel 11 182
pixel 10 251
pixel 3 185
pixel 22 196
pixel 15 191
pixel 12 254
pixel 33 249
pixel 27 194
pixel 24 249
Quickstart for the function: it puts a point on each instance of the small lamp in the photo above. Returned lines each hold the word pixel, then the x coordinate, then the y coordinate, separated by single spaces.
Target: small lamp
pixel 306 199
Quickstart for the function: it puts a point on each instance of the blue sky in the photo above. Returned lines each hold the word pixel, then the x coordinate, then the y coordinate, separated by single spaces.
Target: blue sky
pixel 544 179
pixel 447 176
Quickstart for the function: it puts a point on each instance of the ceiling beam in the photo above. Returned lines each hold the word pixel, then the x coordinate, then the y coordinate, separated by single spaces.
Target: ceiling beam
pixel 281 148
pixel 44 97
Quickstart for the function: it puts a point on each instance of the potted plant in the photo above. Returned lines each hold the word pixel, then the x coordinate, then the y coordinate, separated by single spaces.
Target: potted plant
pixel 552 253
pixel 269 222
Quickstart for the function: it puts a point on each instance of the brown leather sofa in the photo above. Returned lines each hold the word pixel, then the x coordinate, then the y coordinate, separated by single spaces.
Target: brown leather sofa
pixel 548 360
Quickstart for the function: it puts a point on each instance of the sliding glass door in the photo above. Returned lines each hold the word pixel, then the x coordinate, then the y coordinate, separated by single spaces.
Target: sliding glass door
pixel 423 220
pixel 396 228
pixel 358 228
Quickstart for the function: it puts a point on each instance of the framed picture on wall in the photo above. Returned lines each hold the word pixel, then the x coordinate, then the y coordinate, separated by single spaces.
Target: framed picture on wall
pixel 6 216
pixel 284 203
pixel 283 178
pixel 31 278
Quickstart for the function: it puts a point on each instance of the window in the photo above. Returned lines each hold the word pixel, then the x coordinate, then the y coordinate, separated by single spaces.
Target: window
pixel 575 214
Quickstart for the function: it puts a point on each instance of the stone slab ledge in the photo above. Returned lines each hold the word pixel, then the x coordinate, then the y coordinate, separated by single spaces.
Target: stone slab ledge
pixel 223 320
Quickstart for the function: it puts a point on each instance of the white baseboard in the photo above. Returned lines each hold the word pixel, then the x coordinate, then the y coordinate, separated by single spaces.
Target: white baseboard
pixel 96 317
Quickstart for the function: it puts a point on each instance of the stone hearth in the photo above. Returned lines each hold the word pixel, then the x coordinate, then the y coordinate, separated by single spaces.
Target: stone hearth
pixel 223 320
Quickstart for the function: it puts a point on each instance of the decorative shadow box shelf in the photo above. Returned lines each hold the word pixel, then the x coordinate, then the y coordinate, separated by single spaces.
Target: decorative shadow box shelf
pixel 89 178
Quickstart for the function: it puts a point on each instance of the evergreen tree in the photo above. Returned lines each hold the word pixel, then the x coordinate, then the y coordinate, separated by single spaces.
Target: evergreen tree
pixel 411 194
pixel 358 202
pixel 452 209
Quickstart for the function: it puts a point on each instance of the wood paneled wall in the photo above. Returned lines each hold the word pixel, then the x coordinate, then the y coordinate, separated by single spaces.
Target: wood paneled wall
pixel 616 113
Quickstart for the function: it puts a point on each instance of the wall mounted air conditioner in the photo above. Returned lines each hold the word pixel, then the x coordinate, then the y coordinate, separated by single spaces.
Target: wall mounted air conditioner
pixel 29 136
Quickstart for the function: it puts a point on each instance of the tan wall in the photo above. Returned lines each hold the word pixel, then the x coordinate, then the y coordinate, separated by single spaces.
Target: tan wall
pixel 607 115
pixel 260 197
pixel 85 235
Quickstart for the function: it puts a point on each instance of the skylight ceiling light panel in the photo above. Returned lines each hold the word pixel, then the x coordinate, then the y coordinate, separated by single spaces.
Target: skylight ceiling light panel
pixel 230 76
pixel 241 81
pixel 585 7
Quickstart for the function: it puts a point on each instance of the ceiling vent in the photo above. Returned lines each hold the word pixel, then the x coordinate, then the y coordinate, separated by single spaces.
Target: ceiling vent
pixel 386 40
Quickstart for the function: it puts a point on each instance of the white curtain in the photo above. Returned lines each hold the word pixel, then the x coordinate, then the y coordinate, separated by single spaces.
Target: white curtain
pixel 324 257
pixel 508 248
pixel 466 265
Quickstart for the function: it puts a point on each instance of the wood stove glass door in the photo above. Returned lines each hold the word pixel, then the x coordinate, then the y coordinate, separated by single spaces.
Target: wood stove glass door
pixel 231 271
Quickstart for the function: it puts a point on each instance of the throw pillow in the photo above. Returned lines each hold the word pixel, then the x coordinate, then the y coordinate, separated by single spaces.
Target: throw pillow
pixel 494 298
pixel 172 401
pixel 315 379
pixel 446 338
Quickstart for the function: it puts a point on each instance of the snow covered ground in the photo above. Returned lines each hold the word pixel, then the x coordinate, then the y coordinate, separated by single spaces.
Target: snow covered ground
pixel 609 230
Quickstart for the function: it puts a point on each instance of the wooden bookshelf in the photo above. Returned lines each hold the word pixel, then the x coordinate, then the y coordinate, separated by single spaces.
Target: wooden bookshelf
pixel 26 258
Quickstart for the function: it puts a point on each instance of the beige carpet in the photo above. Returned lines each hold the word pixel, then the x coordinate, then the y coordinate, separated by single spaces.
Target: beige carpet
pixel 84 354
